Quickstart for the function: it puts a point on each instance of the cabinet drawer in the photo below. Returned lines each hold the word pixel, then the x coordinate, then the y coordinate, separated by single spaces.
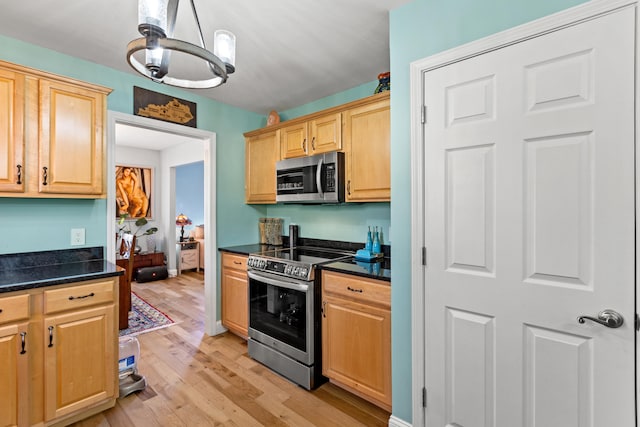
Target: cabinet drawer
pixel 78 296
pixel 14 308
pixel 357 288
pixel 237 262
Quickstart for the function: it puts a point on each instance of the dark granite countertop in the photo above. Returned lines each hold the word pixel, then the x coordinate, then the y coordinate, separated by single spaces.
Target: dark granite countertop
pixel 248 249
pixel 39 269
pixel 380 270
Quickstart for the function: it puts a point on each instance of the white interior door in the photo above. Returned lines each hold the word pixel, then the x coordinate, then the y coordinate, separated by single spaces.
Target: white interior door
pixel 529 224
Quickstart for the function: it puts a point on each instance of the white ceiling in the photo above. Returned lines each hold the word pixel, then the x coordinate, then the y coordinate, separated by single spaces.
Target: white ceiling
pixel 288 52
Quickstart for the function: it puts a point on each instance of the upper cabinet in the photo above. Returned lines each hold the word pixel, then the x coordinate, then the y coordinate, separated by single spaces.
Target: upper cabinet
pixel 12 139
pixel 367 160
pixel 318 135
pixel 262 151
pixel 361 129
pixel 52 135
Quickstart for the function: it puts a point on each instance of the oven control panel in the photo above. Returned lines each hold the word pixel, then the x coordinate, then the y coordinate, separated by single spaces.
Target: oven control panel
pixel 284 268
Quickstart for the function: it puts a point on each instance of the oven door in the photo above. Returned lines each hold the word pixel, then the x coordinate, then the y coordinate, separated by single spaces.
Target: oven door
pixel 281 314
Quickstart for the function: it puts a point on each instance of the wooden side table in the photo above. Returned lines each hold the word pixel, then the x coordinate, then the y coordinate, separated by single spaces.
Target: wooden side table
pixel 188 255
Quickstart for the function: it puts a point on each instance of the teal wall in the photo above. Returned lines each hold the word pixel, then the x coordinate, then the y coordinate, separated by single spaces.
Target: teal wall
pixel 417 30
pixel 190 193
pixel 44 224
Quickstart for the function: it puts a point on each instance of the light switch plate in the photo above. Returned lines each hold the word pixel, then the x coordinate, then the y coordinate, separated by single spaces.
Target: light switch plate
pixel 77 236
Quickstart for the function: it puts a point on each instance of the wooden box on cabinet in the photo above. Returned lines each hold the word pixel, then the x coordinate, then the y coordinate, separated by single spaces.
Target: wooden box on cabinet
pixel 234 290
pixel 52 133
pixel 60 351
pixel 356 335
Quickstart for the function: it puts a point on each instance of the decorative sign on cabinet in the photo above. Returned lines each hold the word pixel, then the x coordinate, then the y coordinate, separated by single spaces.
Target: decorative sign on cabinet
pixel 360 128
pixel 52 133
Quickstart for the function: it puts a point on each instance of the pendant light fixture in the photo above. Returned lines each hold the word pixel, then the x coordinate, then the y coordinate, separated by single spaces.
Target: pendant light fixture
pixel 156 21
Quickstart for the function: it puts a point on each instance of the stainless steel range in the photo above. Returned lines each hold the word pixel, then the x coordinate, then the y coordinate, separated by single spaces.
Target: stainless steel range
pixel 284 311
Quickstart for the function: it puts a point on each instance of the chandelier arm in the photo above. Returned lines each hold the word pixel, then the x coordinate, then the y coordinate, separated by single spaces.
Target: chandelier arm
pixel 216 66
pixel 195 16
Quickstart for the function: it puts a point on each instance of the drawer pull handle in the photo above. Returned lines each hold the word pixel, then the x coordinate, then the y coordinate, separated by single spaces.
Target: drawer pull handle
pixel 71 298
pixel 44 175
pixel 0 310
pixel 19 174
pixel 23 337
pixel 237 262
pixel 50 336
pixel 354 290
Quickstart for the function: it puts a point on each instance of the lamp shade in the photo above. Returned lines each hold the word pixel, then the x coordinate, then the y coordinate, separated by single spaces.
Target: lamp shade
pixel 182 220
pixel 152 17
pixel 224 47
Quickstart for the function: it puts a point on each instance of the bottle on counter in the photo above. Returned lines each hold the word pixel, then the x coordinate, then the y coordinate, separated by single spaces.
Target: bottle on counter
pixel 375 248
pixel 369 243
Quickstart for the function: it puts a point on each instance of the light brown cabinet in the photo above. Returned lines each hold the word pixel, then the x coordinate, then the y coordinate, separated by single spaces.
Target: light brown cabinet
pixel 361 129
pixel 61 351
pixel 14 374
pixel 318 135
pixel 356 335
pixel 234 289
pixel 262 151
pixel 367 137
pixel 53 144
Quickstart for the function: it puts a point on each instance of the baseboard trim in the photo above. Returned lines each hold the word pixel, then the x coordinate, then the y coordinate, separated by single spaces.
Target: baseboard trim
pixel 397 422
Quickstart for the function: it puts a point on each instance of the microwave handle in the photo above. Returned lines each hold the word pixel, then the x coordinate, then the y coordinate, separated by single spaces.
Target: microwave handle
pixel 319 178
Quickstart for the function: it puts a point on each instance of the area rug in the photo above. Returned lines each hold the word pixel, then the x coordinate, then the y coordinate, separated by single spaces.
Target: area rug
pixel 144 317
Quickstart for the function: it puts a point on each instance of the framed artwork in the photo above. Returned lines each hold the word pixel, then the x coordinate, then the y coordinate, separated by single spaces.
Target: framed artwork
pixel 134 192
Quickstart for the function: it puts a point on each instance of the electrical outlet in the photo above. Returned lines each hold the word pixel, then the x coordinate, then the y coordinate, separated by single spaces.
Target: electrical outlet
pixel 77 236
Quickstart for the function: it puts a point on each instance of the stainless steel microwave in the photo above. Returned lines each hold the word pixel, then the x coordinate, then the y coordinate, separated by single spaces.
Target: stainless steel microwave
pixel 312 179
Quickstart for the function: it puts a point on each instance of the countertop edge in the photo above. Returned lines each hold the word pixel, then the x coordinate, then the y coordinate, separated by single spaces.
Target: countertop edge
pixel 111 271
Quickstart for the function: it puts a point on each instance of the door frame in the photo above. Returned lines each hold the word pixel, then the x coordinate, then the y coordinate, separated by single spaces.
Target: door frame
pixel 212 325
pixel 418 69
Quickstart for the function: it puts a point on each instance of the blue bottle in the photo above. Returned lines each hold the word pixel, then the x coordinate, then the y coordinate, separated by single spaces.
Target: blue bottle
pixel 376 242
pixel 369 243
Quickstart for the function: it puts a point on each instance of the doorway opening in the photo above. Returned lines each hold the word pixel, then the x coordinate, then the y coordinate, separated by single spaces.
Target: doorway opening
pixel 180 145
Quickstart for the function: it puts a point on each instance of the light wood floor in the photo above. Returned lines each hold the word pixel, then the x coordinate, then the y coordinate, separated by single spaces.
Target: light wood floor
pixel 197 380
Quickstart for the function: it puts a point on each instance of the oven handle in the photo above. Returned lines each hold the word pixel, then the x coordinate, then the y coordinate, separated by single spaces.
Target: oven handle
pixel 281 283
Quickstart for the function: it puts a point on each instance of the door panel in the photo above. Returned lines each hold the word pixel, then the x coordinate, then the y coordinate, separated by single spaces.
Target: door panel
pixel 529 223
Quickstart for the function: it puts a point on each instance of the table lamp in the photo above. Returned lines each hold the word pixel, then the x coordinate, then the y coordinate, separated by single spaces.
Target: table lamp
pixel 182 220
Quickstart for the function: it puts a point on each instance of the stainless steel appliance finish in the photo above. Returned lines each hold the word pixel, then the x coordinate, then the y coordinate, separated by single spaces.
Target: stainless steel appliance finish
pixel 311 179
pixel 284 311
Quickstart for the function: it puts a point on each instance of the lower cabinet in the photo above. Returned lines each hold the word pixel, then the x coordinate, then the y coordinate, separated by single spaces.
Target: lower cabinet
pixel 60 353
pixel 234 289
pixel 356 335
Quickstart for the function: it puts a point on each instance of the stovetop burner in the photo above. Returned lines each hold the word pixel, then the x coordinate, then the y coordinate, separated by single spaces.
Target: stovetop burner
pixel 298 262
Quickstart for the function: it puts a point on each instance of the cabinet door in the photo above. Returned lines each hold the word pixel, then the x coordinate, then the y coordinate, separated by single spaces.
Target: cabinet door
pixel 80 359
pixel 14 376
pixel 356 348
pixel 368 167
pixel 235 303
pixel 71 141
pixel 12 97
pixel 326 133
pixel 294 141
pixel 261 154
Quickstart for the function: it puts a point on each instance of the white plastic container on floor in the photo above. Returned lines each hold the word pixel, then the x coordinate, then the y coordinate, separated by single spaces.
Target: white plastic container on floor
pixel 129 354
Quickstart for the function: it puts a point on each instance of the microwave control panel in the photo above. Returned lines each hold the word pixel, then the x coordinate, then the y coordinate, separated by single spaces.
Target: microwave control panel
pixel 330 178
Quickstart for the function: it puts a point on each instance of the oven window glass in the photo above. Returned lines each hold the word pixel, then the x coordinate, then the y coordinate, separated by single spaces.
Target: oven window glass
pixel 279 313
